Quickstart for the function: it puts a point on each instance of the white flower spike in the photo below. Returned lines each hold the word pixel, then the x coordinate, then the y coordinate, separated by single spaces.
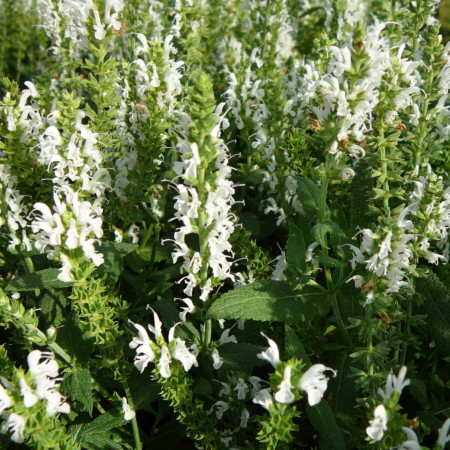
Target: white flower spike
pixel 315 383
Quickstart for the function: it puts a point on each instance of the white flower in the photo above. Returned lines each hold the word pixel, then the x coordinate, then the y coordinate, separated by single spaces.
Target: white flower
pixel 156 329
pixel 48 367
pixel 217 359
pixel 185 310
pixel 347 174
pixel 225 337
pixel 394 384
pixel 133 233
pixel 16 424
pixel 65 273
pixel 164 362
pixel 56 403
pixel 144 353
pixel 412 443
pixel 315 383
pixel 444 437
pixel 182 354
pixel 272 354
pixel 244 418
pixel 221 407
pixel 241 388
pixel 29 397
pixel 5 400
pixel 284 393
pixel 99 27
pixel 128 413
pixel 378 425
pixel 263 398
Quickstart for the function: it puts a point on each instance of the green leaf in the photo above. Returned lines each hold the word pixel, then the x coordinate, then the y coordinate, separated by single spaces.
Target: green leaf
pixel 322 419
pixel 320 231
pixel 71 339
pixel 328 261
pixel 309 195
pixel 437 308
pixel 96 432
pixel 278 301
pixel 294 347
pixel 143 390
pixel 240 356
pixel 43 279
pixel 78 386
pixel 114 252
pixel 296 249
pixel 343 395
pixel 362 185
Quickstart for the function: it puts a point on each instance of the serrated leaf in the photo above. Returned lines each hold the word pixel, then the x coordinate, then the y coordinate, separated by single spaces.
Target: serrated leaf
pixel 309 195
pixel 98 428
pixel 43 279
pixel 77 386
pixel 293 345
pixel 114 252
pixel 102 443
pixel 296 249
pixel 278 301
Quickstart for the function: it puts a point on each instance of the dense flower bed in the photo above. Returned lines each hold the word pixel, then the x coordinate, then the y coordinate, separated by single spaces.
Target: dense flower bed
pixel 224 224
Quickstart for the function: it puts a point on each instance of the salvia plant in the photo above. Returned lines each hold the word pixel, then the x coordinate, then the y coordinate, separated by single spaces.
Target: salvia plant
pixel 224 224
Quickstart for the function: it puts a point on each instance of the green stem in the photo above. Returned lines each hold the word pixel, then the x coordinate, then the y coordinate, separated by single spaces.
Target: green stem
pixel 337 312
pixel 134 424
pixel 384 171
pixel 328 276
pixel 407 331
pixel 371 366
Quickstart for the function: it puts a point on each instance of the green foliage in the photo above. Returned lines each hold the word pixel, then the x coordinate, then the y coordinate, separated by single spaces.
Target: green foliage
pixel 276 301
pixel 178 179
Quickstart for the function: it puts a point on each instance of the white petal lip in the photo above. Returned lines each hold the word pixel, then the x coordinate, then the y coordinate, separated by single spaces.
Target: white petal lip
pixel 5 400
pixel 128 413
pixel 272 354
pixel 284 393
pixel 182 354
pixel 263 398
pixel 378 425
pixel 315 383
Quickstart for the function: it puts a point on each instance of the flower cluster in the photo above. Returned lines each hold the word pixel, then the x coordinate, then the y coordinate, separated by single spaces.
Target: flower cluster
pixel 70 19
pixel 314 381
pixel 161 351
pixel 43 375
pixel 203 203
